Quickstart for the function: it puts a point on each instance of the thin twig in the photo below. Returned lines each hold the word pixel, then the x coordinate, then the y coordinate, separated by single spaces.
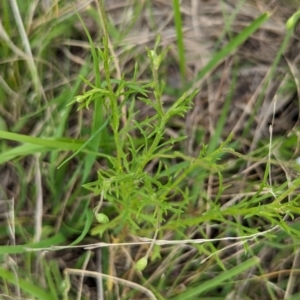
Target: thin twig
pixel 100 294
pixel 85 263
pixel 39 202
pixel 26 44
pixel 116 279
pixel 145 241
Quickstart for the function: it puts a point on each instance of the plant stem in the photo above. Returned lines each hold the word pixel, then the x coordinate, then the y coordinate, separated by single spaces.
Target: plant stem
pixel 112 96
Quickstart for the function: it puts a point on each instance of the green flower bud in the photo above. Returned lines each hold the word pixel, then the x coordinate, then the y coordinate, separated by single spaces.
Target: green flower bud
pixel 102 218
pixel 141 264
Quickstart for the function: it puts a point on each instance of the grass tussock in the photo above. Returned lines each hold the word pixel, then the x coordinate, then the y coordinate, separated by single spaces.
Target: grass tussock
pixel 149 150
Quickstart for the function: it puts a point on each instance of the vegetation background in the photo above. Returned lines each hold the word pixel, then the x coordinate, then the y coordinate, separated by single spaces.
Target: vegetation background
pixel 149 149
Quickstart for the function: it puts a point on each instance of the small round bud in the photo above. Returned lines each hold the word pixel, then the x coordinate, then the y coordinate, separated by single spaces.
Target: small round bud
pixel 102 218
pixel 141 264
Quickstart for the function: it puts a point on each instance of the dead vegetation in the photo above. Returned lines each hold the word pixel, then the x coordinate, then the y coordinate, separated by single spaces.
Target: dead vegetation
pixel 259 97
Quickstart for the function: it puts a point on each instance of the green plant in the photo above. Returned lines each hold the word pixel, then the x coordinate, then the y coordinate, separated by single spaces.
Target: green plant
pixel 138 197
pixel 193 233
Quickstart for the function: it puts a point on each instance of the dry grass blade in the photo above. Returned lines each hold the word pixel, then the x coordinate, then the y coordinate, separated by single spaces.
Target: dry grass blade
pixel 115 279
pixel 190 188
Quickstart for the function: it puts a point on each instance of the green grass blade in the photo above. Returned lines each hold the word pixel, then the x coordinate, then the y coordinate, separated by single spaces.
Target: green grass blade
pixel 50 279
pixel 55 240
pixel 232 45
pixel 21 151
pixel 98 117
pixel 180 44
pixel 38 145
pixel 295 297
pixel 228 20
pixel 213 283
pixel 26 285
pixel 88 224
pixel 102 127
pixel 213 143
pixel 72 145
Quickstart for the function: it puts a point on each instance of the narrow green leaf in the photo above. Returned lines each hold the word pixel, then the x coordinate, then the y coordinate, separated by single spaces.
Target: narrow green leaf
pixel 98 116
pixel 85 144
pixel 26 286
pixel 21 151
pixel 49 143
pixel 232 45
pixel 180 43
pixel 86 229
pixel 214 282
pixel 55 240
pixel 213 143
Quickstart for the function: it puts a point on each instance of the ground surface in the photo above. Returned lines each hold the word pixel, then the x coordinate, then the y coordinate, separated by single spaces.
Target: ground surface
pixel 248 187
